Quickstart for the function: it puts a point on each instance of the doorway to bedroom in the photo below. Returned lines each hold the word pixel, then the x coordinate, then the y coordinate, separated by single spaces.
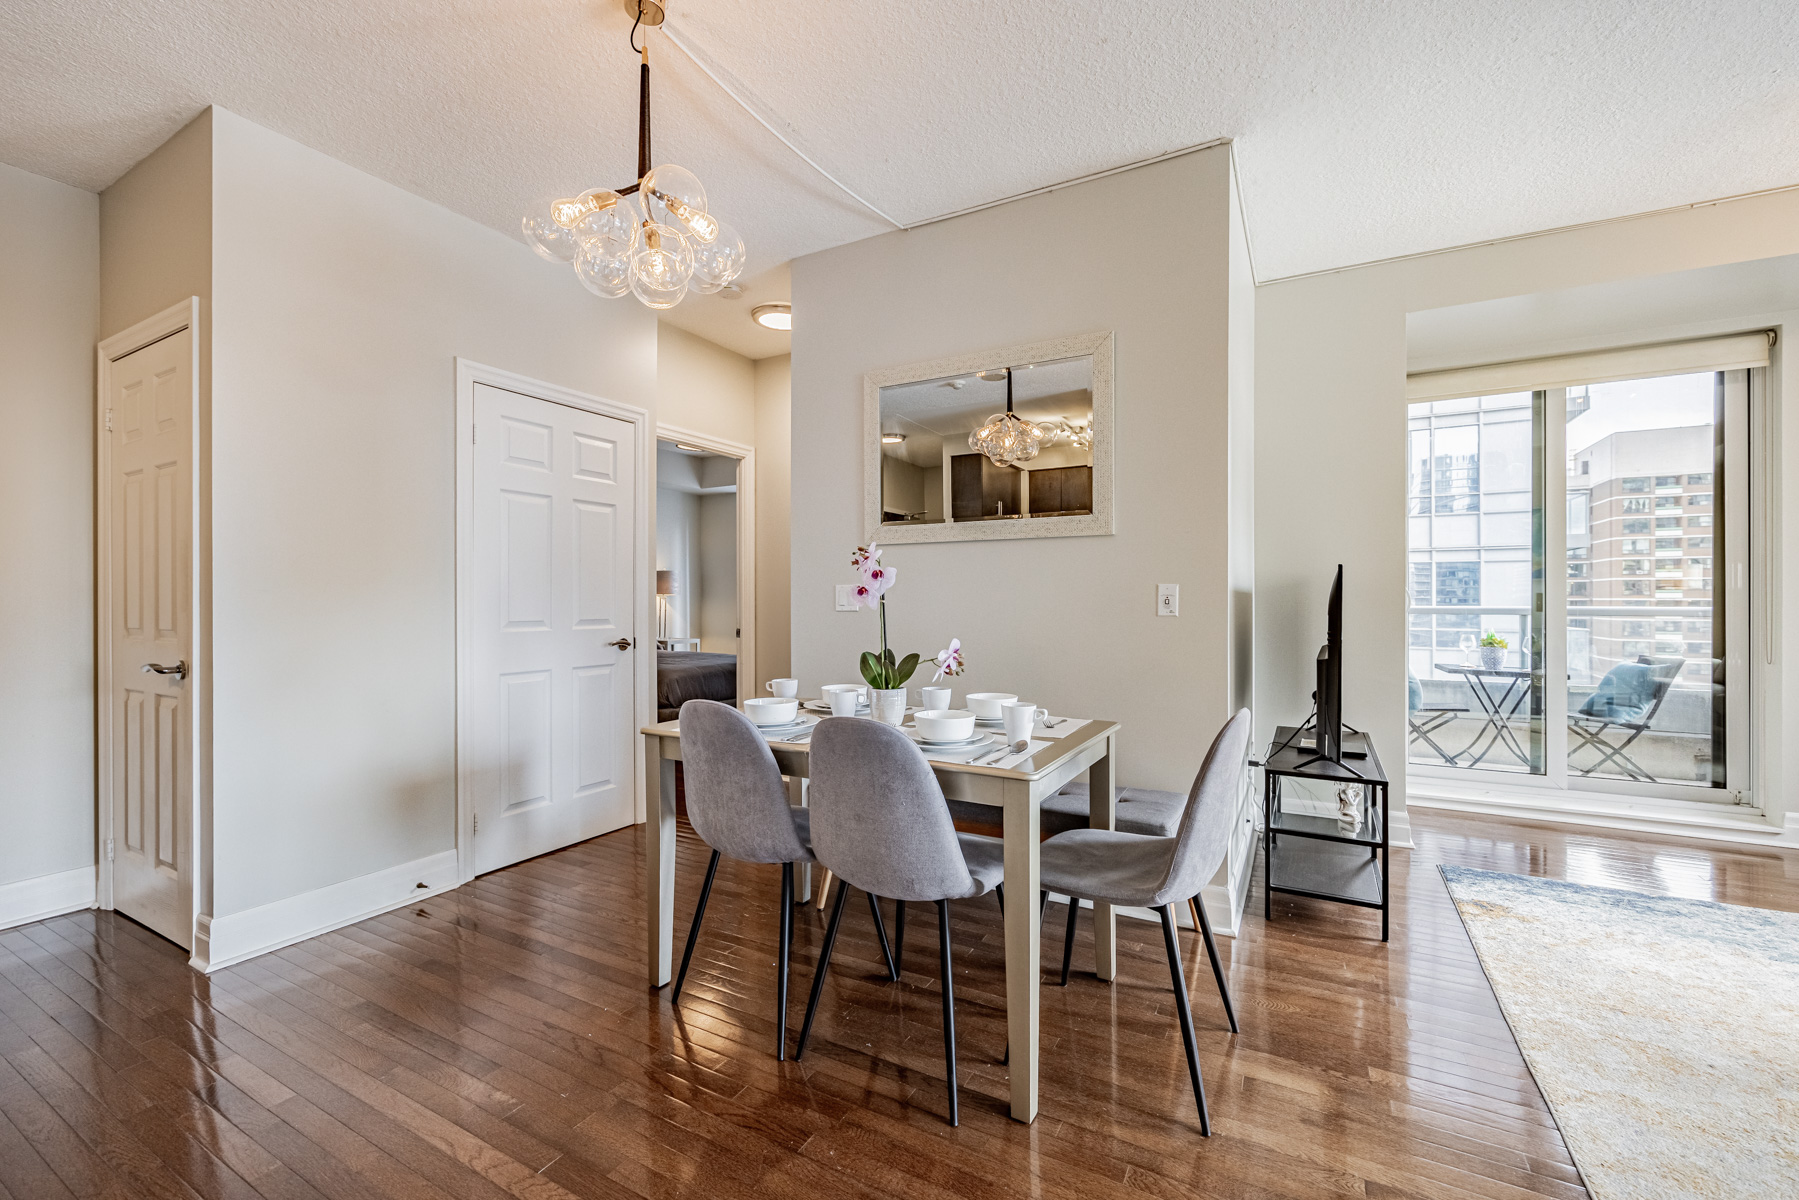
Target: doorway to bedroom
pixel 704 573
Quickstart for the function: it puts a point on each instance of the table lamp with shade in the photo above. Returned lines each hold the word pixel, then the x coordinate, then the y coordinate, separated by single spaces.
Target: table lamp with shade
pixel 665 587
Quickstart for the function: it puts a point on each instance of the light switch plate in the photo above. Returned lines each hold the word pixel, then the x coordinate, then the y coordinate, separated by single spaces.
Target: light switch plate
pixel 846 597
pixel 1168 599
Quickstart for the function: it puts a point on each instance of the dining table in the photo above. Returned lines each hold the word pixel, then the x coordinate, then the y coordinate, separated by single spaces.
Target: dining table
pixel 1060 750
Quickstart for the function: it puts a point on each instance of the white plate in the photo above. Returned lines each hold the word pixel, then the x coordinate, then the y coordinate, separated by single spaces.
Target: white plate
pixel 979 739
pixel 823 706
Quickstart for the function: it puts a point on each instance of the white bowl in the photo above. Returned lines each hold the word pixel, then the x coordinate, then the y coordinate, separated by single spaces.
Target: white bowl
pixel 986 705
pixel 772 710
pixel 944 724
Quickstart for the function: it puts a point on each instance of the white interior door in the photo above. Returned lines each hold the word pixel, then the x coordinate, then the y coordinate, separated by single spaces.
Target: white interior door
pixel 553 588
pixel 150 419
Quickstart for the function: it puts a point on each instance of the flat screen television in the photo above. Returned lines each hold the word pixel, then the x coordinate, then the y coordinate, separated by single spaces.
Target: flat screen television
pixel 1328 729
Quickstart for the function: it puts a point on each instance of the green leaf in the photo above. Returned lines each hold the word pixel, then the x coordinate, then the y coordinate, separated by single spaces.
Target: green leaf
pixel 907 665
pixel 871 669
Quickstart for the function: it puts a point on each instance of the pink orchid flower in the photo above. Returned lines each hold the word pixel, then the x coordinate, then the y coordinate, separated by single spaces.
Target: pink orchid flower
pixel 949 660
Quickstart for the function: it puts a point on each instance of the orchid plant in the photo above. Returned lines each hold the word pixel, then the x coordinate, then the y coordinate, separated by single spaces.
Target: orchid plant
pixel 882 671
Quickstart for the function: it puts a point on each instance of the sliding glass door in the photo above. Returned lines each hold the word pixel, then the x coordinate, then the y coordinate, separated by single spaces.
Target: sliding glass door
pixel 1622 669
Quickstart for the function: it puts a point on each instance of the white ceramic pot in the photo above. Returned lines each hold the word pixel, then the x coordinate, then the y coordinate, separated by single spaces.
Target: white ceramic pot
pixel 1492 657
pixel 889 706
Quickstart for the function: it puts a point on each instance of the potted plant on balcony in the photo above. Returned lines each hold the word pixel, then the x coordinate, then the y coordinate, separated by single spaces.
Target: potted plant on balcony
pixel 1492 651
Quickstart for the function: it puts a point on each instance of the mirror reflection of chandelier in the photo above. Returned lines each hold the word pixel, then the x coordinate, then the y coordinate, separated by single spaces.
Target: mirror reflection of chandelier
pixel 1006 438
pixel 654 238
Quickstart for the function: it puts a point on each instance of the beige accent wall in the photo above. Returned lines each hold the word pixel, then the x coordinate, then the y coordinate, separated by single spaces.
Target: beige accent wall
pixel 774 479
pixel 1068 622
pixel 341 303
pixel 1331 361
pixel 49 305
pixel 704 387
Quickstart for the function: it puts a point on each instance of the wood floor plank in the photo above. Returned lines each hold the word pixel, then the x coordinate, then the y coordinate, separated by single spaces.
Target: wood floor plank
pixel 497 1042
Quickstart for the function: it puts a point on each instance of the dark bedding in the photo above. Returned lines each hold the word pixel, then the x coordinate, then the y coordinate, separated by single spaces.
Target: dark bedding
pixel 685 675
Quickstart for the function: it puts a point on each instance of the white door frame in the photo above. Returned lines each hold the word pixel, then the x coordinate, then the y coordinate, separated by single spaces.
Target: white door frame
pixel 746 541
pixel 468 374
pixel 167 323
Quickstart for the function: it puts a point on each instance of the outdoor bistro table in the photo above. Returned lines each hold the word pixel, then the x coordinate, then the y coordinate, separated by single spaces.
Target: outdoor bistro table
pixel 1018 791
pixel 1498 709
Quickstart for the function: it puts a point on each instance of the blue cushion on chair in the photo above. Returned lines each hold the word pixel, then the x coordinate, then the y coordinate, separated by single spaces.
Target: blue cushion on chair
pixel 1414 693
pixel 1624 695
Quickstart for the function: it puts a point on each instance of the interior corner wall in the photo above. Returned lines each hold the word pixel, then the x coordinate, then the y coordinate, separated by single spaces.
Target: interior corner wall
pixel 718 573
pixel 49 309
pixel 1068 622
pixel 340 304
pixel 703 387
pixel 1242 507
pixel 774 480
pixel 1331 363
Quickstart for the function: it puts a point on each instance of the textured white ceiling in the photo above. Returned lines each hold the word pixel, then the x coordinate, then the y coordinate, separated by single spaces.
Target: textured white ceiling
pixel 1363 130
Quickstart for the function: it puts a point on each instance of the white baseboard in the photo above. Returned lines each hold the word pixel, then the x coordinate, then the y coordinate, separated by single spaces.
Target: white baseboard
pixel 222 941
pixel 46 896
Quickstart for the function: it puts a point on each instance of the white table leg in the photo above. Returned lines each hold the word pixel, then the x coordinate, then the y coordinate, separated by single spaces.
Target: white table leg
pixel 1103 814
pixel 1023 825
pixel 659 890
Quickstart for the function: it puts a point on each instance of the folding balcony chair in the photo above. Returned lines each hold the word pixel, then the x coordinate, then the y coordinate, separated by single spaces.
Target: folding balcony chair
pixel 1427 719
pixel 1625 702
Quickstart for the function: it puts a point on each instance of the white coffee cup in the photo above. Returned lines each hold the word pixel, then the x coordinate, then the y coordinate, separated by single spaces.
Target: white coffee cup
pixel 933 699
pixel 985 705
pixel 844 698
pixel 783 687
pixel 1021 719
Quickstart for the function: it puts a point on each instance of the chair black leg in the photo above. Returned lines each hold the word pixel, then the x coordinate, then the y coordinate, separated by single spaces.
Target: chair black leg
pixel 874 908
pixel 1224 992
pixel 824 963
pixel 1074 910
pixel 949 1008
pixel 899 934
pixel 693 931
pixel 1186 1016
pixel 999 890
pixel 781 968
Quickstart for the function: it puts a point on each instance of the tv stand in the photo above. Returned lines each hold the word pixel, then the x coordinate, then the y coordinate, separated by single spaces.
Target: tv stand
pixel 1306 855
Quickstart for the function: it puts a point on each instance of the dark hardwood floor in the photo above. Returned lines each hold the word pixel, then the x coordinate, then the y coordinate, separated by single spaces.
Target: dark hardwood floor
pixel 500 1040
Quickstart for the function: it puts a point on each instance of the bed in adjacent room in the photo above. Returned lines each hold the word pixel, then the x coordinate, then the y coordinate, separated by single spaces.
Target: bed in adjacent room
pixel 683 675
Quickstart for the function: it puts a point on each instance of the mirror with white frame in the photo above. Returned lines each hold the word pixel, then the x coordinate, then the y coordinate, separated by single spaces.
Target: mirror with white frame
pixel 947 463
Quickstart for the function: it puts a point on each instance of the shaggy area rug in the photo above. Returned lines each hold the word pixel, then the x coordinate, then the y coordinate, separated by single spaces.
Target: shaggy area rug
pixel 1664 1033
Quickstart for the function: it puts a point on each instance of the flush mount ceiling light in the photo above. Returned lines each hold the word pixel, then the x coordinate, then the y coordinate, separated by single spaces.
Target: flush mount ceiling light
pixel 1006 438
pixel 654 238
pixel 773 316
pixel 892 439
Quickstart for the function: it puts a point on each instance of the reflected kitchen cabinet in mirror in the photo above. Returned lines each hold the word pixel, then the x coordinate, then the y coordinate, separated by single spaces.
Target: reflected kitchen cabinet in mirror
pixel 1006 443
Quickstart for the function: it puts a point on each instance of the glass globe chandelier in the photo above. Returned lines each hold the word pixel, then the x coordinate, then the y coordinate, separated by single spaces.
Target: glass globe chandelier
pixel 1007 438
pixel 655 239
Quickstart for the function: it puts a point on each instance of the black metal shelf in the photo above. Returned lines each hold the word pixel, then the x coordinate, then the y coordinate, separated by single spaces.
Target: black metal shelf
pixel 1308 855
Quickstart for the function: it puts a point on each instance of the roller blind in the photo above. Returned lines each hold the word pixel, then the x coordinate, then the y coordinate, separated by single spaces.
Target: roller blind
pixel 1595 366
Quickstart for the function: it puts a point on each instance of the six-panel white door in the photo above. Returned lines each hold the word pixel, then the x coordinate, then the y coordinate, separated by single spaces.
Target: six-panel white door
pixel 549 733
pixel 150 418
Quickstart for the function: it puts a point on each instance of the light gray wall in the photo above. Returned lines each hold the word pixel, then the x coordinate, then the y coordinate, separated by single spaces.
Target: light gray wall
pixel 1331 360
pixel 717 527
pixel 678 550
pixel 774 431
pixel 1068 622
pixel 340 304
pixel 704 387
pixel 49 308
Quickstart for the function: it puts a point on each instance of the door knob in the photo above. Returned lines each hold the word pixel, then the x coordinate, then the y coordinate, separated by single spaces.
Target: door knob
pixel 622 643
pixel 179 670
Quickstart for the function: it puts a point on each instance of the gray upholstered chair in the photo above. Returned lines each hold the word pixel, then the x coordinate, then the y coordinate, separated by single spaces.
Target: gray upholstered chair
pixel 737 803
pixel 880 823
pixel 1160 872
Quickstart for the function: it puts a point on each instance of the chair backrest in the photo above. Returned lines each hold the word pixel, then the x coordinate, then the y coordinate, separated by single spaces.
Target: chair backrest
pixel 879 819
pixel 736 798
pixel 1204 837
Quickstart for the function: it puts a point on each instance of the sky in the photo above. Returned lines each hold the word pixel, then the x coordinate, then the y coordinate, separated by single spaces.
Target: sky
pixel 1667 402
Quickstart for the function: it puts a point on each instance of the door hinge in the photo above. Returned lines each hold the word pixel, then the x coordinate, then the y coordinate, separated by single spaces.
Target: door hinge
pixel 109 420
pixel 108 849
pixel 474 434
pixel 477 823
